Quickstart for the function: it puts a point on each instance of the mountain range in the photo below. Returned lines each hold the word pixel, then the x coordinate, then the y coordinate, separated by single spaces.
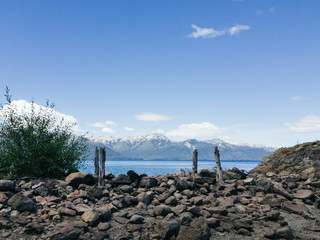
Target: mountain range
pixel 157 146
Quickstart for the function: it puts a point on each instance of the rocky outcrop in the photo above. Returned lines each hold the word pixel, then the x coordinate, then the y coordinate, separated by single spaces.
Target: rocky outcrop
pixel 302 160
pixel 175 206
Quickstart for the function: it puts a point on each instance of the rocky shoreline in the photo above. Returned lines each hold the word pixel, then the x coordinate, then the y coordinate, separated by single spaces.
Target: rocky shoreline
pixel 174 206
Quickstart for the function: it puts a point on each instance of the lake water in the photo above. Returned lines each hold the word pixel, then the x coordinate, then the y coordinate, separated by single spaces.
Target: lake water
pixel 155 167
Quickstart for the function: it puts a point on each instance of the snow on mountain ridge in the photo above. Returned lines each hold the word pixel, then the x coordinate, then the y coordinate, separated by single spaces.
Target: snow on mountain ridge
pixel 159 137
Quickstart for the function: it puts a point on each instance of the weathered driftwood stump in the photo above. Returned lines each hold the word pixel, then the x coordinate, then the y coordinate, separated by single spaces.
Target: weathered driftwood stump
pixel 219 177
pixel 195 161
pixel 96 162
pixel 102 169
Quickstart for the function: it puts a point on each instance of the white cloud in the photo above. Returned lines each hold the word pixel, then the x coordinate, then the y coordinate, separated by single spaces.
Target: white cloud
pixel 305 125
pixel 212 33
pixel 194 130
pixel 237 29
pixel 111 123
pixel 103 124
pixel 128 129
pixel 297 98
pixel 105 127
pixel 107 130
pixel 153 117
pixel 24 107
pixel 159 131
pixel 205 32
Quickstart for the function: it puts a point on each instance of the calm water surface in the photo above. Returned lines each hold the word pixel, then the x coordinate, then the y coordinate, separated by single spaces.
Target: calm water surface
pixel 155 167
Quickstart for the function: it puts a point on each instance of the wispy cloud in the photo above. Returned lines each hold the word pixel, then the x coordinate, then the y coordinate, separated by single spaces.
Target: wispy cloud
pixel 152 117
pixel 128 129
pixel 212 33
pixel 194 130
pixel 159 131
pixel 237 29
pixel 259 12
pixel 271 9
pixel 105 127
pixel 103 124
pixel 107 130
pixel 297 98
pixel 306 124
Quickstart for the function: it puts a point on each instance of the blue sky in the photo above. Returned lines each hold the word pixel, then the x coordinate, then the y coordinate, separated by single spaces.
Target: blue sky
pixel 245 70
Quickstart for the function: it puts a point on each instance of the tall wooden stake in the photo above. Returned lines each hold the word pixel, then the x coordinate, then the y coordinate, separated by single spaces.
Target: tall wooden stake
pixel 102 170
pixel 96 162
pixel 195 161
pixel 219 177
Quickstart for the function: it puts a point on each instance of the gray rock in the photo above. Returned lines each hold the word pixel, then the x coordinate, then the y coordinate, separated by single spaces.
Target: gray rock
pixel 148 182
pixel 185 218
pixel 121 180
pixel 167 229
pixel 182 185
pixel 213 222
pixel 273 215
pixel 304 194
pixel 63 211
pixel 126 189
pixel 21 203
pixel 91 217
pixel 242 224
pixel 7 185
pixel 144 197
pixel 136 219
pixel 161 210
pixel 198 230
pixel 285 232
pixel 77 178
pixel 179 209
pixel 105 213
pixel 65 233
pixel 34 228
pixel 294 208
pixel 172 201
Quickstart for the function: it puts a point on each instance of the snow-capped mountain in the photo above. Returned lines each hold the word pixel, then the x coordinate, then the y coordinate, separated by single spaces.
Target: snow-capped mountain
pixel 157 146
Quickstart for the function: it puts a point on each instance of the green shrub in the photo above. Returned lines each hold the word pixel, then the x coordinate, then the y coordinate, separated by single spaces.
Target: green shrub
pixel 37 144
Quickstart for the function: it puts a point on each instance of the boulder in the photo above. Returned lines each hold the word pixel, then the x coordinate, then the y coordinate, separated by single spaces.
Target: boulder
pixel 70 232
pixel 121 180
pixel 34 228
pixel 198 230
pixel 91 217
pixel 285 232
pixel 21 203
pixel 7 185
pixel 133 176
pixel 304 194
pixel 3 198
pixel 182 185
pixel 161 210
pixel 294 208
pixel 136 219
pixel 167 229
pixel 143 197
pixel 77 178
pixel 148 182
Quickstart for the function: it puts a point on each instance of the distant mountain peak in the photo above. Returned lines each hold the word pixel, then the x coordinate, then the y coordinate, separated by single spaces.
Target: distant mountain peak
pixel 158 146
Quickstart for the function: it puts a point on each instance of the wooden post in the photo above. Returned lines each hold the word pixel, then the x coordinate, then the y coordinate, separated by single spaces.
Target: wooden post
pixel 219 176
pixel 102 170
pixel 195 161
pixel 96 162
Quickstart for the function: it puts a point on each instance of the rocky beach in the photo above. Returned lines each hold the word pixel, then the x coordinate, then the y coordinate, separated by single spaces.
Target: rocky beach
pixel 279 199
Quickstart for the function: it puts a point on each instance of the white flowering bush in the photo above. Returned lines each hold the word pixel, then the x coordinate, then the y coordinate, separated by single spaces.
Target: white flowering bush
pixel 34 143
